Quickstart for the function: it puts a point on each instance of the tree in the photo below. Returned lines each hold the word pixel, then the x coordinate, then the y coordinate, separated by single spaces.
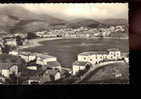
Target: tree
pixel 31 35
pixel 6 49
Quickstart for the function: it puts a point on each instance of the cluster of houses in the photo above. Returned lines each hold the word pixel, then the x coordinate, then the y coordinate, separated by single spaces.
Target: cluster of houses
pixel 96 57
pixel 46 67
pixel 82 32
pixel 49 65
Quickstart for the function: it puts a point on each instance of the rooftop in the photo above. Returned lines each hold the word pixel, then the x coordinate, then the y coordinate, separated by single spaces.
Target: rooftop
pixel 43 55
pixel 53 64
pixel 113 49
pixel 93 53
pixel 6 65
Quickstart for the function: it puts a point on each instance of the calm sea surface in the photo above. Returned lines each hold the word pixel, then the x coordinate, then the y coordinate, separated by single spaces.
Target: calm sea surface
pixel 66 50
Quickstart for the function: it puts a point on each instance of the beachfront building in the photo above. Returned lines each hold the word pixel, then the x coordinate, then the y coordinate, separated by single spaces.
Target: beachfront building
pixel 6 69
pixel 79 65
pixel 94 57
pixel 114 54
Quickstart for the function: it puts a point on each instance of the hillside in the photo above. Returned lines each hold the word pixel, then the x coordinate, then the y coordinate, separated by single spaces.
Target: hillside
pixel 18 19
pixel 85 22
pixel 107 74
pixel 15 19
pixel 114 21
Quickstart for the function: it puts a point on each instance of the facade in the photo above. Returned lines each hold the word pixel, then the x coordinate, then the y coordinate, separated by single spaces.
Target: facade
pixel 43 59
pixel 79 65
pixel 27 56
pixel 95 57
pixel 114 54
pixel 32 67
pixel 14 52
pixel 11 42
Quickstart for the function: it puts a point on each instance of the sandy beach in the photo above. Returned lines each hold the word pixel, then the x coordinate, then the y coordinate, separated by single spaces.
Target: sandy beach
pixel 35 42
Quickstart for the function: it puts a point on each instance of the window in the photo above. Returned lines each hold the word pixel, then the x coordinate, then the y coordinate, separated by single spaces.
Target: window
pixel 84 58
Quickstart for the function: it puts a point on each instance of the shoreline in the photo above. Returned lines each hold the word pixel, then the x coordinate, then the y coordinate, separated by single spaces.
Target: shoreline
pixel 36 42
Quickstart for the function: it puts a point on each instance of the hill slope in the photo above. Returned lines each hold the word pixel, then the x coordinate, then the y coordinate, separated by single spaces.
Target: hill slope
pixel 15 18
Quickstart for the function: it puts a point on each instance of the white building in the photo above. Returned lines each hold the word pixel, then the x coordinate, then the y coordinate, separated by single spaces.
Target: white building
pixel 79 65
pixel 27 56
pixel 114 54
pixel 93 57
pixel 43 59
pixel 11 42
pixel 14 52
pixel 32 67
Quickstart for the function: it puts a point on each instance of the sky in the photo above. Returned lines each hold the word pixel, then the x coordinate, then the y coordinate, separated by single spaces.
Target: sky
pixel 81 10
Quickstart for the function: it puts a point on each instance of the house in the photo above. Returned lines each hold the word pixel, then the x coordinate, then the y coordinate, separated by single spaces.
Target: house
pixel 43 59
pixel 6 69
pixel 11 42
pixel 54 65
pixel 114 54
pixel 27 56
pixel 79 65
pixel 14 52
